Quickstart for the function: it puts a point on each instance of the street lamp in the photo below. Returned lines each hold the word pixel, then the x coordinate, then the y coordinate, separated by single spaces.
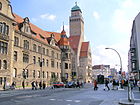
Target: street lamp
pixel 120 72
pixel 119 58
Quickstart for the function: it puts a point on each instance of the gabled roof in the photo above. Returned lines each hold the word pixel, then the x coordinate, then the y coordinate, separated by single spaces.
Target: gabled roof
pixel 74 42
pixel 38 31
pixel 84 49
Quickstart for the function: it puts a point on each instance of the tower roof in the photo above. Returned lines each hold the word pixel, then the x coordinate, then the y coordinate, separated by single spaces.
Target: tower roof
pixel 76 8
pixel 63 40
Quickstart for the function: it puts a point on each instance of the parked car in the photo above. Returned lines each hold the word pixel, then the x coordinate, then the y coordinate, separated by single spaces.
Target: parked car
pixel 70 84
pixel 58 84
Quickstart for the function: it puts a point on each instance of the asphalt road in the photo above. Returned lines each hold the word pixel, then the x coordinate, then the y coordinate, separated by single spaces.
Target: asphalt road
pixel 62 96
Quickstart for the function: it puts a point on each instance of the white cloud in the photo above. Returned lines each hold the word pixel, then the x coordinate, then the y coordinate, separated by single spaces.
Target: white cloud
pixel 66 28
pixel 48 16
pixel 110 57
pixel 34 19
pixel 96 15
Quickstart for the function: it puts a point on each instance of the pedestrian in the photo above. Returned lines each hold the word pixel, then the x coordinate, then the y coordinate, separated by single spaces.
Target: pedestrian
pixel 44 85
pixel 40 85
pixel 33 85
pixel 106 84
pixel 36 85
pixel 138 84
pixel 13 85
pixel 113 84
pixel 23 85
pixel 95 85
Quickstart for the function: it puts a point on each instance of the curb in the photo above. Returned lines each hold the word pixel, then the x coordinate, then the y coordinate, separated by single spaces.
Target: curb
pixel 126 102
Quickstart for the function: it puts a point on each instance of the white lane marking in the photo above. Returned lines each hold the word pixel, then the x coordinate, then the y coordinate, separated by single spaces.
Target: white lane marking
pixel 69 100
pixel 68 104
pixel 77 101
pixel 52 99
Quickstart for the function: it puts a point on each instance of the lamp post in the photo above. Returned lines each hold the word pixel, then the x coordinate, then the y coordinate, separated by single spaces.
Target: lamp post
pixel 120 72
pixel 119 58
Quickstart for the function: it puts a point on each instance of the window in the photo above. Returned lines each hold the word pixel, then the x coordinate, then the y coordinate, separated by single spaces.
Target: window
pixel 53 54
pixel 4 29
pixel 47 75
pixel 69 66
pixel 3 47
pixel 33 73
pixel 34 59
pixel 39 49
pixel 47 62
pixel 43 62
pixel 39 61
pixel 52 63
pixel 0 64
pixel 15 72
pixel 57 56
pixel 66 65
pixel 0 6
pixel 4 64
pixel 38 75
pixel 26 58
pixel 34 47
pixel 15 55
pixel 26 44
pixel 47 52
pixel 57 65
pixel 1 80
pixel 52 75
pixel 16 41
pixel 44 51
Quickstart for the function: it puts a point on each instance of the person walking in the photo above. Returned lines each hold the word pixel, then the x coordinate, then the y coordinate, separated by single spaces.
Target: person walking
pixel 113 84
pixel 23 85
pixel 138 84
pixel 106 84
pixel 44 85
pixel 95 85
pixel 40 85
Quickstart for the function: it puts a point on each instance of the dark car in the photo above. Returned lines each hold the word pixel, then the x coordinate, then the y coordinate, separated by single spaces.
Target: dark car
pixel 70 84
pixel 58 84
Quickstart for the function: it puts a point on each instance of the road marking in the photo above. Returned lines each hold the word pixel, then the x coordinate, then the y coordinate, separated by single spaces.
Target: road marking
pixel 77 101
pixel 52 99
pixel 69 100
pixel 68 104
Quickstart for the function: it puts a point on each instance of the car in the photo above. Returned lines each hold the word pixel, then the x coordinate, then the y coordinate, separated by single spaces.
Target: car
pixel 70 84
pixel 58 84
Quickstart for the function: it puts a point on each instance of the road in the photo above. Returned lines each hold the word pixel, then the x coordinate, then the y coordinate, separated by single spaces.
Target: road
pixel 62 96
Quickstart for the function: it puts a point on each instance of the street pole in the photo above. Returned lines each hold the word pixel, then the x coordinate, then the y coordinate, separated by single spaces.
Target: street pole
pixel 120 72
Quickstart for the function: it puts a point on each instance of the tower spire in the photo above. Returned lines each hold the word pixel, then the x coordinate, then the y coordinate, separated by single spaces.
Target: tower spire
pixel 76 3
pixel 63 25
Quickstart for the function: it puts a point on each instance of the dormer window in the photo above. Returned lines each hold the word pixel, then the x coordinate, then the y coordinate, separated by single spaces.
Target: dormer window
pixel 52 35
pixel 26 20
pixel 0 6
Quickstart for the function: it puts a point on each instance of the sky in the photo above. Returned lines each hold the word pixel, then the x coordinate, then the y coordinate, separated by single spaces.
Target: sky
pixel 108 23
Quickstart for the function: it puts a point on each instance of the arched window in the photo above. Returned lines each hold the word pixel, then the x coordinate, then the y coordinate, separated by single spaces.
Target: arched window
pixel 4 64
pixel 0 64
pixel 0 6
pixel 15 72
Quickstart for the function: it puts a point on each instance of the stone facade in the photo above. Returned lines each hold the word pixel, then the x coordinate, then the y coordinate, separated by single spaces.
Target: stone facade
pixel 6 41
pixel 81 48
